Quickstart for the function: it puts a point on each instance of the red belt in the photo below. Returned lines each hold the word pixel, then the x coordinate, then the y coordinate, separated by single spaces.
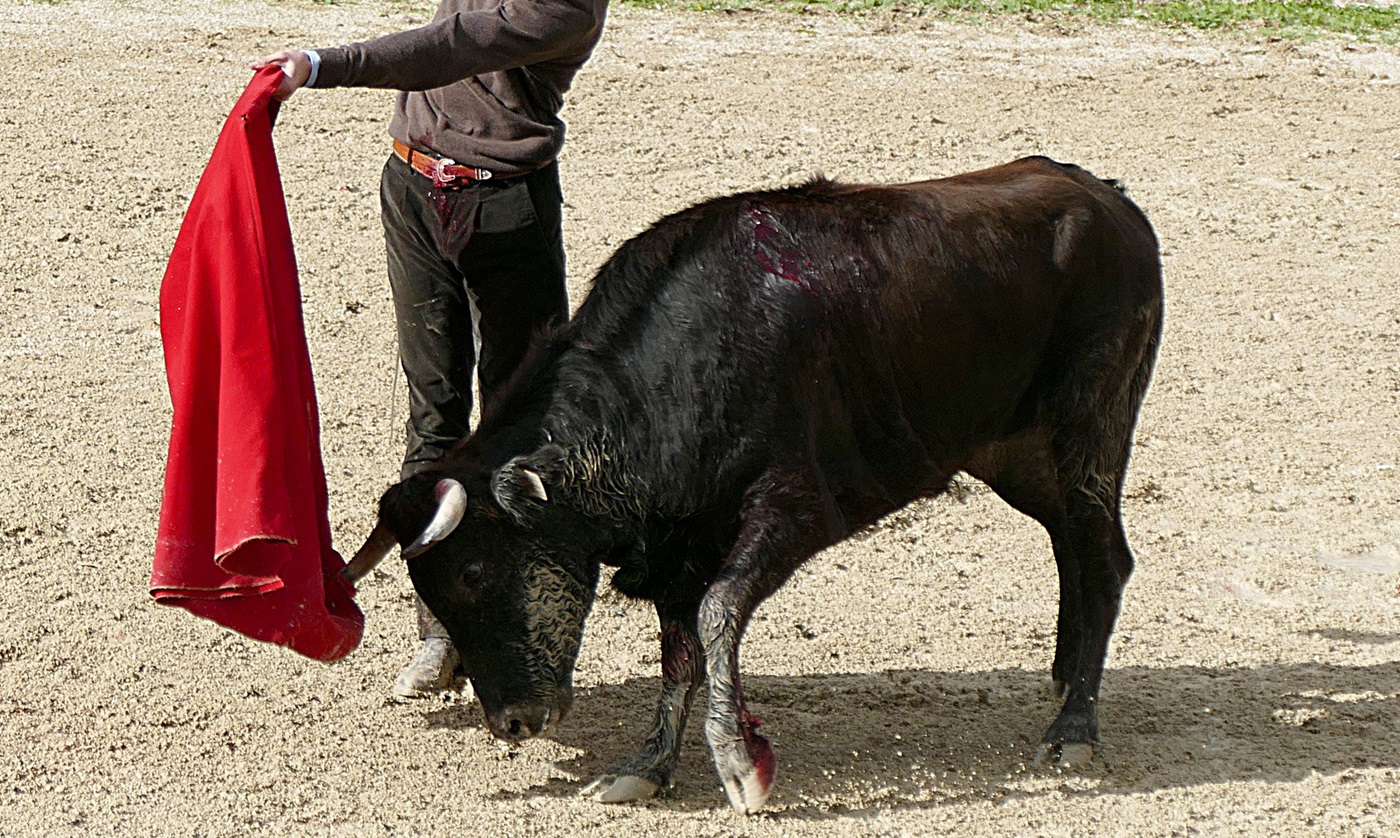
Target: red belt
pixel 442 171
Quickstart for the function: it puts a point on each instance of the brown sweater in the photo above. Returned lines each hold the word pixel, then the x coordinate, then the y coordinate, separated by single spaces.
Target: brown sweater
pixel 483 83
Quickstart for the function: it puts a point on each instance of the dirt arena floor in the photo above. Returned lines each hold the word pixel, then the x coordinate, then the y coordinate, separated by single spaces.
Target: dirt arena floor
pixel 1252 684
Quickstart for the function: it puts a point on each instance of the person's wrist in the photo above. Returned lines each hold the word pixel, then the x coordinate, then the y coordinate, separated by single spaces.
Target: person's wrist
pixel 314 58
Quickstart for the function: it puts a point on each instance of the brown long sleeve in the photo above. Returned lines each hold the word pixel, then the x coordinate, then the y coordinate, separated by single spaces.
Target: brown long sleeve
pixel 484 82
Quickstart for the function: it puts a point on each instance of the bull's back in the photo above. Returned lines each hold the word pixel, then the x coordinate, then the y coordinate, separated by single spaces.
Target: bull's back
pixel 953 295
pixel 877 334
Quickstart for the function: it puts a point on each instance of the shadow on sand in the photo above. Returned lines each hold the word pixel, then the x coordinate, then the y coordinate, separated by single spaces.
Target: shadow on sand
pixel 917 738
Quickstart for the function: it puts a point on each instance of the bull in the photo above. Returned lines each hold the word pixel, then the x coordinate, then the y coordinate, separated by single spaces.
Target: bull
pixel 757 377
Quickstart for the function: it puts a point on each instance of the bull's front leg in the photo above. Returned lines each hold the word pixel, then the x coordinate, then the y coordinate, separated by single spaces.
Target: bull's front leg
pixel 743 757
pixel 682 669
pixel 786 518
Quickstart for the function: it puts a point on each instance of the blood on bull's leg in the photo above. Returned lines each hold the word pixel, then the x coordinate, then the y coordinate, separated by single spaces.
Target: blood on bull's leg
pixel 743 758
pixel 786 518
pixel 682 671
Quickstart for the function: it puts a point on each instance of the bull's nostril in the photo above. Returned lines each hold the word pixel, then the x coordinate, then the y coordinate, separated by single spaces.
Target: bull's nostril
pixel 519 722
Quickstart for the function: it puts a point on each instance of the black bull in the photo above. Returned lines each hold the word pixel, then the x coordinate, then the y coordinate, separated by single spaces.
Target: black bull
pixel 759 376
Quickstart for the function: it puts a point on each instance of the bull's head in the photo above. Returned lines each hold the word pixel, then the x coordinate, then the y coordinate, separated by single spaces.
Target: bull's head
pixel 511 576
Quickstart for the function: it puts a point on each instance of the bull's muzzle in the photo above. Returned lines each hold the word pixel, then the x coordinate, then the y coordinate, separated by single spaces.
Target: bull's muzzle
pixel 518 722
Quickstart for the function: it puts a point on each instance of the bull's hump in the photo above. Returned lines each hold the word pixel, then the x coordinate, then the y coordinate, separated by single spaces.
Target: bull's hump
pixel 777 252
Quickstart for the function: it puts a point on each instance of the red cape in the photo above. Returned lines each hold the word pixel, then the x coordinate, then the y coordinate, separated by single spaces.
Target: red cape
pixel 244 537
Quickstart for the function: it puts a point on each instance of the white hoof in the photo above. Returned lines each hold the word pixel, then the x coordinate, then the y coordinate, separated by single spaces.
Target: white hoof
pixel 747 793
pixel 624 789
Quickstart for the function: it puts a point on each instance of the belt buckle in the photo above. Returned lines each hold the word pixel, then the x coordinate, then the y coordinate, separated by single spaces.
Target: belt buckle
pixel 441 177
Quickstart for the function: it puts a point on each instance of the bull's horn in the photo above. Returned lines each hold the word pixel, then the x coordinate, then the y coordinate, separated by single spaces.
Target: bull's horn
pixel 535 485
pixel 452 505
pixel 376 547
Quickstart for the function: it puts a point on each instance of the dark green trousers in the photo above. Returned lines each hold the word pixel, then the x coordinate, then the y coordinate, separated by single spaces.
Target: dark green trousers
pixel 475 273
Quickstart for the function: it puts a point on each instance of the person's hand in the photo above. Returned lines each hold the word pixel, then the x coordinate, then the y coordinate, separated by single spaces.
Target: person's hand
pixel 296 69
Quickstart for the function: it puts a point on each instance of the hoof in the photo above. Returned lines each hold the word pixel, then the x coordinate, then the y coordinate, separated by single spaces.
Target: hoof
pixel 430 671
pixel 747 793
pixel 624 789
pixel 1063 755
pixel 747 771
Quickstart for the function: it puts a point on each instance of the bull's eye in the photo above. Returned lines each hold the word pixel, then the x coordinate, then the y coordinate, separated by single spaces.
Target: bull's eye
pixel 471 574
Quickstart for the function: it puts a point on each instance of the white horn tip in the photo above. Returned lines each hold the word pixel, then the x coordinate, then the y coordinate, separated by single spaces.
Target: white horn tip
pixel 452 505
pixel 536 485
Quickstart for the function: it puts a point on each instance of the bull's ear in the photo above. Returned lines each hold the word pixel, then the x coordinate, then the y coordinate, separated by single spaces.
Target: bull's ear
pixel 526 479
pixel 515 485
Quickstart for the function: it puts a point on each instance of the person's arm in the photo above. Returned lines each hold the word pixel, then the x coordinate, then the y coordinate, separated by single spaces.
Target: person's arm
pixel 512 34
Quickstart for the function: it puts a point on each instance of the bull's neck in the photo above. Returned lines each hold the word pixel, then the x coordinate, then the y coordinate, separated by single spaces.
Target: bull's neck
pixel 566 398
pixel 588 418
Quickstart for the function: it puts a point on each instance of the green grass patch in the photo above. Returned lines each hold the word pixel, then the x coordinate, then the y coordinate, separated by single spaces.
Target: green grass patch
pixel 1294 18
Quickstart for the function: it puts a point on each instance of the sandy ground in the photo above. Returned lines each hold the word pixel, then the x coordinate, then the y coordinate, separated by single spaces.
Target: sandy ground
pixel 1253 681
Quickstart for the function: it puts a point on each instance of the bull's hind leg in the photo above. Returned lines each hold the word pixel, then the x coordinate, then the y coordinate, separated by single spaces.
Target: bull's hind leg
pixel 1093 556
pixel 682 671
pixel 1093 561
pixel 1080 510
pixel 1067 472
pixel 1091 425
pixel 1021 470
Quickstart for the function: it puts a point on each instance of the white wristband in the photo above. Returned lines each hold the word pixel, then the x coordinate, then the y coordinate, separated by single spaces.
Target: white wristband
pixel 315 58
